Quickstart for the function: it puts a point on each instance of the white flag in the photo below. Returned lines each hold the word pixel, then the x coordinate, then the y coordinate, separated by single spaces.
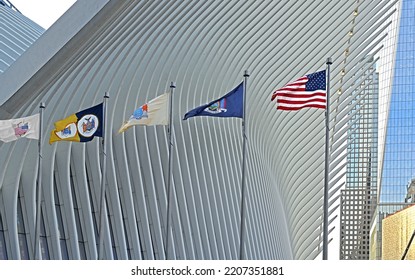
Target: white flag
pixel 154 112
pixel 14 129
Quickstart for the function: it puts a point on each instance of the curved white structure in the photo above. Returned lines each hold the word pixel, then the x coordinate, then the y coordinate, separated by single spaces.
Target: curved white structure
pixel 133 50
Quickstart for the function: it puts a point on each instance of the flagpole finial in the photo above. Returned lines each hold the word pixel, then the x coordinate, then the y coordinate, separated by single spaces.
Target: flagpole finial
pixel 329 61
pixel 42 105
pixel 106 95
pixel 246 74
pixel 173 85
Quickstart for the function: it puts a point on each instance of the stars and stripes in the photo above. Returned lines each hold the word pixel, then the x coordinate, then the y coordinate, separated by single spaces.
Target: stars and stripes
pixel 307 91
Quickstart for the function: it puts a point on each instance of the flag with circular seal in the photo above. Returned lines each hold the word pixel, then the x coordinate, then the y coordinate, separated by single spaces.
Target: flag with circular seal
pixel 14 129
pixel 80 127
pixel 229 105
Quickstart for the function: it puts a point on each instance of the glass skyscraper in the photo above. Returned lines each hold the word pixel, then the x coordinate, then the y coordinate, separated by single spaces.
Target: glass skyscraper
pixel 399 161
pixel 17 34
pixel 358 199
pixel 399 158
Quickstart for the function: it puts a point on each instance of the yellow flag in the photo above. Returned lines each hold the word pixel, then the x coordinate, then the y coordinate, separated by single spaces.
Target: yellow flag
pixel 65 130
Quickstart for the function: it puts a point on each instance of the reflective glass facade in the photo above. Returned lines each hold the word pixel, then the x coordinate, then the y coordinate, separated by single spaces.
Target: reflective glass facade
pixel 399 159
pixel 399 154
pixel 17 34
pixel 358 200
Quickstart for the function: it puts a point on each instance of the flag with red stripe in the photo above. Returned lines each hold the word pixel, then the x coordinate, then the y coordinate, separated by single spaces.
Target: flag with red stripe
pixel 307 91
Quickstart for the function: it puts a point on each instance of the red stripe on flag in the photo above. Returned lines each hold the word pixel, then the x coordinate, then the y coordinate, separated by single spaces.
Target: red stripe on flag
pixel 299 94
pixel 282 101
pixel 285 108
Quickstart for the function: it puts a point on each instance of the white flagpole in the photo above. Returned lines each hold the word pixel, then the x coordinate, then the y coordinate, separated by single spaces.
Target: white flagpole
pixel 36 251
pixel 241 239
pixel 166 249
pixel 327 166
pixel 103 176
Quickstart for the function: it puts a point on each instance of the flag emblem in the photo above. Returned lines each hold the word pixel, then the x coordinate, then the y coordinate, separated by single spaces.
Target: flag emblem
pixel 87 125
pixel 82 126
pixel 307 91
pixel 217 107
pixel 154 112
pixel 21 128
pixel 14 129
pixel 68 132
pixel 140 113
pixel 229 105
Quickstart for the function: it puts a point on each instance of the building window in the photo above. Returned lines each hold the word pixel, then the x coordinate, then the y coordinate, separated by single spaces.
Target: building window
pixel 129 249
pixel 114 248
pixel 125 225
pixel 61 229
pixel 77 213
pixel 43 239
pixel 3 250
pixel 21 231
pixel 94 212
pixel 358 200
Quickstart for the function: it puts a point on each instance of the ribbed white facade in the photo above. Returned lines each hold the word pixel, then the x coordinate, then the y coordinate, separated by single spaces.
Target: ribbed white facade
pixel 133 50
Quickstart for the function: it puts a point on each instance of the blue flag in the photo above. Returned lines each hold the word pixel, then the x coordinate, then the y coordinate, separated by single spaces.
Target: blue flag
pixel 230 105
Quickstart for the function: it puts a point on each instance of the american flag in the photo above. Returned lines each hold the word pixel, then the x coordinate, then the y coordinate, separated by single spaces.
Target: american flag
pixel 307 91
